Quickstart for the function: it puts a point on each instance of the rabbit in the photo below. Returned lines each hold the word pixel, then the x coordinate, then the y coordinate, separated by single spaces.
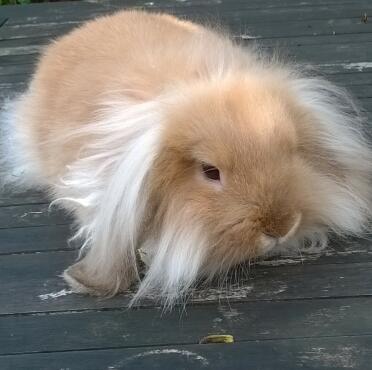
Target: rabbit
pixel 166 137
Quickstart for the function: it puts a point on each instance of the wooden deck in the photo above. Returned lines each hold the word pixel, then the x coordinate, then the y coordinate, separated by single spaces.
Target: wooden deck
pixel 287 314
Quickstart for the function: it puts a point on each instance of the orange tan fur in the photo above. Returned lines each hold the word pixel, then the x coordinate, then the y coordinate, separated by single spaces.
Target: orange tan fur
pixel 123 112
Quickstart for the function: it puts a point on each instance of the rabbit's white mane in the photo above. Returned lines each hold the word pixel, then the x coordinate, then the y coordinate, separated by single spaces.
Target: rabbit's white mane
pixel 106 186
pixel 340 132
pixel 107 190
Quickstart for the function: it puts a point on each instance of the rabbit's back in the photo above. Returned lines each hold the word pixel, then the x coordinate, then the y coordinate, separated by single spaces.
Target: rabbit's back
pixel 130 56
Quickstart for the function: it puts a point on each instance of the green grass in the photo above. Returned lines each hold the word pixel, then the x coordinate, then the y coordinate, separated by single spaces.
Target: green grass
pixel 14 2
pixel 20 2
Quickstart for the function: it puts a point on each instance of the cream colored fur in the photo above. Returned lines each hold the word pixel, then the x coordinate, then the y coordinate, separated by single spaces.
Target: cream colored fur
pixel 122 113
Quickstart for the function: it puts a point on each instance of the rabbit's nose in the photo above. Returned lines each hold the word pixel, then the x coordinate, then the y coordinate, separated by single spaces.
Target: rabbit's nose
pixel 271 238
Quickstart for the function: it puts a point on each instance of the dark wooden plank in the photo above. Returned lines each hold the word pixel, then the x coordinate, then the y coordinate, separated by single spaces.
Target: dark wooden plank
pixel 325 54
pixel 361 91
pixel 27 41
pixel 45 29
pixel 367 105
pixel 240 4
pixel 6 80
pixel 305 353
pixel 17 69
pixel 346 79
pixel 35 239
pixel 134 328
pixel 31 215
pixel 69 15
pixel 27 45
pixel 347 39
pixel 276 17
pixel 208 12
pixel 21 50
pixel 65 9
pixel 10 92
pixel 40 10
pixel 18 59
pixel 286 29
pixel 338 251
pixel 8 198
pixel 26 277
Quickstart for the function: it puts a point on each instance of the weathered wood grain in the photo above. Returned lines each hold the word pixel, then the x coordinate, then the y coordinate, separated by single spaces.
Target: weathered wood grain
pixel 305 353
pixel 24 46
pixel 39 10
pixel 17 69
pixel 7 81
pixel 26 277
pixel 65 10
pixel 35 239
pixel 8 198
pixel 123 328
pixel 304 40
pixel 240 4
pixel 291 28
pixel 206 11
pixel 31 215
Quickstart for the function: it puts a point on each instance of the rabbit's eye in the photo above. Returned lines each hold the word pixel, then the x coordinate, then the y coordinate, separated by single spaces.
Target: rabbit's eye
pixel 211 172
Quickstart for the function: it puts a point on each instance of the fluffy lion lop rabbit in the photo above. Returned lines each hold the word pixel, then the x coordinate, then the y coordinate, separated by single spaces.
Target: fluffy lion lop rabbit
pixel 162 135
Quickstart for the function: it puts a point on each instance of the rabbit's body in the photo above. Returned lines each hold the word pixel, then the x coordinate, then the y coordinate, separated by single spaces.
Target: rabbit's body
pixel 131 56
pixel 161 134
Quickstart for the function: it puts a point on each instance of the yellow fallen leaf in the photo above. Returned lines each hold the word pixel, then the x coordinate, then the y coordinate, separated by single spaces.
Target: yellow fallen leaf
pixel 221 338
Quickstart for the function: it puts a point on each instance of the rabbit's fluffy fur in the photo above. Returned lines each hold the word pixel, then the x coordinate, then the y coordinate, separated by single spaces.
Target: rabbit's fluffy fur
pixel 123 112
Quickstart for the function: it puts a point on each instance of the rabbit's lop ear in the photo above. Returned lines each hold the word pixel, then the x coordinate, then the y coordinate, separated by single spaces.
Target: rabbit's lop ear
pixel 114 212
